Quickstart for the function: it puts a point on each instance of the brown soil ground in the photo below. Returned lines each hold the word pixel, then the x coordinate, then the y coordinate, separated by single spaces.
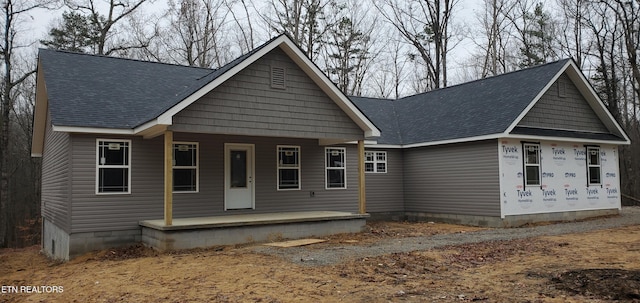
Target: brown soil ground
pixel 601 266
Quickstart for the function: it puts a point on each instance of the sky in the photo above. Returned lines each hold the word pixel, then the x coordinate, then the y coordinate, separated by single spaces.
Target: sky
pixel 40 21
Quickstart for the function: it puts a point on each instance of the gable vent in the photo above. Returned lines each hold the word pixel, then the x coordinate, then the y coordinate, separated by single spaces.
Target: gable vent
pixel 278 77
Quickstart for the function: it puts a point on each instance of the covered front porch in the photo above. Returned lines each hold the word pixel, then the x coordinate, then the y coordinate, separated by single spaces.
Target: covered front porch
pixel 187 233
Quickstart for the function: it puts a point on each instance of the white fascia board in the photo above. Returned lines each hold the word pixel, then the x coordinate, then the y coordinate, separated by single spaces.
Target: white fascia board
pixel 535 100
pixel 92 130
pixel 305 64
pixel 330 88
pixel 584 86
pixel 460 140
pixel 366 142
pixel 565 139
pixel 383 146
pixel 40 114
pixel 167 117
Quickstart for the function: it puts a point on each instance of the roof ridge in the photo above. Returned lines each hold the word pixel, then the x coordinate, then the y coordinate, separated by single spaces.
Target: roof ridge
pixel 123 58
pixel 374 98
pixel 488 78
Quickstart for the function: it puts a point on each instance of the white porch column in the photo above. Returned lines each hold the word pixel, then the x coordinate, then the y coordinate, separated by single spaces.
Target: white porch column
pixel 168 177
pixel 362 200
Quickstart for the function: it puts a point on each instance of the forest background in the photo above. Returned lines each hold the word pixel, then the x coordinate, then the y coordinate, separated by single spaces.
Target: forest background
pixel 375 48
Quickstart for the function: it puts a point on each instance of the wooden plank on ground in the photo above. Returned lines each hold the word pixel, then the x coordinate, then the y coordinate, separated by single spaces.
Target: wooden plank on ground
pixel 294 243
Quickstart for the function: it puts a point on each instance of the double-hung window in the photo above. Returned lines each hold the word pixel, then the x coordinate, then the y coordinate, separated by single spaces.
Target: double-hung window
pixel 593 165
pixel 113 166
pixel 185 167
pixel 288 167
pixel 335 167
pixel 531 164
pixel 375 161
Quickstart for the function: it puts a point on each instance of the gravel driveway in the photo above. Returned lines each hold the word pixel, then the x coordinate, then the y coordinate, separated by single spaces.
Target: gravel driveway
pixel 335 254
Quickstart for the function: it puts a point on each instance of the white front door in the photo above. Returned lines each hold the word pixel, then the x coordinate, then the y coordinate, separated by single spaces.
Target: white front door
pixel 239 182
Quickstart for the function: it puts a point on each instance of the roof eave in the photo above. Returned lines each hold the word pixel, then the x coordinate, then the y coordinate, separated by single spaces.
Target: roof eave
pixel 567 139
pixel 589 94
pixel 93 130
pixel 329 88
pixel 39 114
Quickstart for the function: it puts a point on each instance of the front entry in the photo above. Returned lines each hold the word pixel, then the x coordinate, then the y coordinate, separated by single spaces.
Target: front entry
pixel 239 185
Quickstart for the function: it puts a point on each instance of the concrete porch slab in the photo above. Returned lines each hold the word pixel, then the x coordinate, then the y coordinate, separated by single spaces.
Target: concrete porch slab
pixel 250 219
pixel 187 233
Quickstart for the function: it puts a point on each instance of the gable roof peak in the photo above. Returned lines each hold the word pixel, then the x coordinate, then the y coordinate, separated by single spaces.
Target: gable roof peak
pixel 560 63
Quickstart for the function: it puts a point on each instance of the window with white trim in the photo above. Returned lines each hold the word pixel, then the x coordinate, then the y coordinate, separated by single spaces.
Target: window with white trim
pixel 113 166
pixel 531 164
pixel 593 165
pixel 335 167
pixel 375 161
pixel 288 167
pixel 185 167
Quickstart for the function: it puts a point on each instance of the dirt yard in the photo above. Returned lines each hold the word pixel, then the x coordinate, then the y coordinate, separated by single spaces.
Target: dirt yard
pixel 601 266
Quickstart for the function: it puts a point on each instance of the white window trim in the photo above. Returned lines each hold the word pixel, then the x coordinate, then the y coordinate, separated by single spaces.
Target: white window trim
pixel 589 166
pixel 524 159
pixel 98 166
pixel 278 167
pixel 375 162
pixel 197 167
pixel 327 168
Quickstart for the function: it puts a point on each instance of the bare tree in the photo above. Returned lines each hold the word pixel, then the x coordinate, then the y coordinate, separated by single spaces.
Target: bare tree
pixel 390 70
pixel 350 47
pixel 107 24
pixel 426 26
pixel 243 23
pixel 536 31
pixel 572 29
pixel 197 34
pixel 494 36
pixel 304 21
pixel 14 74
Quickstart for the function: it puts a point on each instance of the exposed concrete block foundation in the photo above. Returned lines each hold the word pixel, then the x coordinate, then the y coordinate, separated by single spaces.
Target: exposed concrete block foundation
pixel 206 237
pixel 55 241
pixel 81 243
pixel 519 220
pixel 388 216
pixel 510 221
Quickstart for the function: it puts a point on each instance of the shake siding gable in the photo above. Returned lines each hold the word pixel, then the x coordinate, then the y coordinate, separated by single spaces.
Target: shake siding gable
pixel 453 179
pixel 247 104
pixel 55 178
pixel 571 112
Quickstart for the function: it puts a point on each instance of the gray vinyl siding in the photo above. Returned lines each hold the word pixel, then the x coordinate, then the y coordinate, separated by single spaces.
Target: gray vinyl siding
pixel 107 212
pixel 385 191
pixel 453 179
pixel 571 112
pixel 55 178
pixel 246 104
pixel 93 212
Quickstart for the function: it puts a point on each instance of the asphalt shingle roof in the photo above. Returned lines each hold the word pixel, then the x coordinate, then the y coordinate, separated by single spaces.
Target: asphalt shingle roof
pixel 107 92
pixel 482 107
pixel 383 114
